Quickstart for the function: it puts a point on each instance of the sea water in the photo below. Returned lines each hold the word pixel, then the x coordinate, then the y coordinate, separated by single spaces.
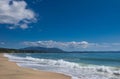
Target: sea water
pixel 77 65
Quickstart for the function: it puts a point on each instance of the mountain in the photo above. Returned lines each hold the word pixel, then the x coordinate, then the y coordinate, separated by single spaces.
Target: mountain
pixel 49 50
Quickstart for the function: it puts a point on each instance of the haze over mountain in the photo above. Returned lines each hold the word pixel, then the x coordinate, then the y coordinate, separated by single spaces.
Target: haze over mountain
pixel 43 49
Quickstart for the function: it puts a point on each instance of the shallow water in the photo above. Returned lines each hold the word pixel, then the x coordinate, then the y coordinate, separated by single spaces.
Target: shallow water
pixel 77 65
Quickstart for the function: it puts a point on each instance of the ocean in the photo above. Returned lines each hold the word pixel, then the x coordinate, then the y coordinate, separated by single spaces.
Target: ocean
pixel 77 65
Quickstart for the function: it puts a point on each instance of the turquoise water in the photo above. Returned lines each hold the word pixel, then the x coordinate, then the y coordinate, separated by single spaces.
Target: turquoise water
pixel 77 65
pixel 107 59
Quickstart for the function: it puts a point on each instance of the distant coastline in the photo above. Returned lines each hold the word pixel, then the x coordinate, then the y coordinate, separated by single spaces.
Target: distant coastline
pixel 48 50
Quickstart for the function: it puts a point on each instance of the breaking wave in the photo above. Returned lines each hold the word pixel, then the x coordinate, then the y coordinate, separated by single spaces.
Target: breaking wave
pixel 75 70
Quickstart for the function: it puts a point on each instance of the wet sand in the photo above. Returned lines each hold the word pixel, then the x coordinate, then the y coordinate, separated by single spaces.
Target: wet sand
pixel 10 70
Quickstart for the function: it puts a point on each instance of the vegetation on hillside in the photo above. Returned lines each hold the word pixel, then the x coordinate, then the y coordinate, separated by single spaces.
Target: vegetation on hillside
pixel 6 50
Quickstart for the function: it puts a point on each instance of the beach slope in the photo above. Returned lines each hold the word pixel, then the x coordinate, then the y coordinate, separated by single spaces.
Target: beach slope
pixel 9 70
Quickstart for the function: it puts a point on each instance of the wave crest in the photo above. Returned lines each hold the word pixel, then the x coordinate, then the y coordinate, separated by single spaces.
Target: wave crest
pixel 76 70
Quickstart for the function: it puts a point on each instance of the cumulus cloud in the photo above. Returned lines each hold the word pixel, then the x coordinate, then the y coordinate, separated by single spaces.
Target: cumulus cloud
pixel 2 43
pixel 51 44
pixel 24 26
pixel 16 13
pixel 73 45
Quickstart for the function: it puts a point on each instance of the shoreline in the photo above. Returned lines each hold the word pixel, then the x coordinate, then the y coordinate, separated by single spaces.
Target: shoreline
pixel 10 70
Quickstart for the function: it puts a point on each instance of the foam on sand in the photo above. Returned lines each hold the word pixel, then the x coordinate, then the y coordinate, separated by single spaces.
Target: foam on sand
pixel 76 70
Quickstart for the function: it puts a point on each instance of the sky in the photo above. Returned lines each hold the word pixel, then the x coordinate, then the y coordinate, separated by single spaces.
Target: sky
pixel 73 25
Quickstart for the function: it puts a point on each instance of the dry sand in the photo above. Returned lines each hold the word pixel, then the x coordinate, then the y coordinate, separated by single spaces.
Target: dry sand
pixel 9 70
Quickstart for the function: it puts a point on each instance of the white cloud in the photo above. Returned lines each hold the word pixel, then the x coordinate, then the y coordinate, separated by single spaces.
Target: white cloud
pixel 15 13
pixel 75 46
pixel 12 27
pixel 117 44
pixel 2 43
pixel 84 44
pixel 63 45
pixel 24 26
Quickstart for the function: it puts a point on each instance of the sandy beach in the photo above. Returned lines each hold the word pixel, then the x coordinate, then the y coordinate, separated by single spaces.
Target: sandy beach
pixel 9 70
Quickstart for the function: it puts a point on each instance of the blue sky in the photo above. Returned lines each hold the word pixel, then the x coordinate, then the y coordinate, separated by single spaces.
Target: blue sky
pixel 92 22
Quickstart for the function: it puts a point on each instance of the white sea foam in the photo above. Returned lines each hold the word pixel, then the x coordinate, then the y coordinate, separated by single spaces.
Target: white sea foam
pixel 75 70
